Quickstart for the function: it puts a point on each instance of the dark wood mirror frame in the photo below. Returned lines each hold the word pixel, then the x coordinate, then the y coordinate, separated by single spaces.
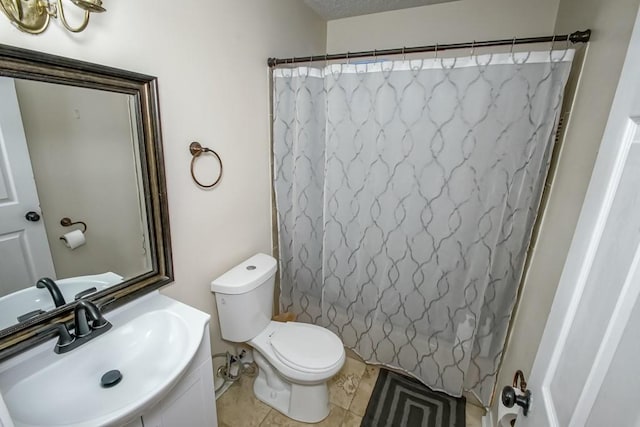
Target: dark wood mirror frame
pixel 31 65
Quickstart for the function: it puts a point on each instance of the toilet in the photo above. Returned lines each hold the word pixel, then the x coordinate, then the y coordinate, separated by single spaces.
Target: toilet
pixel 295 360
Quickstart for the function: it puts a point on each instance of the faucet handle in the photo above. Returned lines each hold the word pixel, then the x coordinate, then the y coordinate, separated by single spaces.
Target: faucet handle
pixel 99 322
pixel 85 293
pixel 30 315
pixel 65 339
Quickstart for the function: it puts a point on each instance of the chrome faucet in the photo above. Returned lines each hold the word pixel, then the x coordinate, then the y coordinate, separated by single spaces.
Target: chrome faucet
pixel 53 289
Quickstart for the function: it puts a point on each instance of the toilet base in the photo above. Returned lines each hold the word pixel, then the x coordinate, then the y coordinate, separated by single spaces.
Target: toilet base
pixel 307 403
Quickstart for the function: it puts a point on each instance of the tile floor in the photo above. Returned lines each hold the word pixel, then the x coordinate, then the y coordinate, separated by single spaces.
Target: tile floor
pixel 349 393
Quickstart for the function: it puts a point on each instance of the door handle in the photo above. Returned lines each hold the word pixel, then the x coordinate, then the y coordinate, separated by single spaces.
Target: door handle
pixel 510 397
pixel 32 216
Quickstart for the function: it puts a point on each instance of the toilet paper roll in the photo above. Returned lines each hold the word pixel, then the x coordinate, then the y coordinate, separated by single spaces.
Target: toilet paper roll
pixel 74 239
pixel 506 415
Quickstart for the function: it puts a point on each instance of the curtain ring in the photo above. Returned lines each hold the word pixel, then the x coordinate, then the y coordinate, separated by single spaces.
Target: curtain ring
pixel 196 150
pixel 326 60
pixel 473 48
pixel 436 57
pixel 404 55
pixel 513 44
pixel 553 40
pixel 348 63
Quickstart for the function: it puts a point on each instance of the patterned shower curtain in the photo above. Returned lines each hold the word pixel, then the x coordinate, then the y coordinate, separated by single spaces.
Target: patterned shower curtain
pixel 406 194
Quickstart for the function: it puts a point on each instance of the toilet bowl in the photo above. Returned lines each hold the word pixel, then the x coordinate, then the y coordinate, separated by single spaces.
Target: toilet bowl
pixel 295 360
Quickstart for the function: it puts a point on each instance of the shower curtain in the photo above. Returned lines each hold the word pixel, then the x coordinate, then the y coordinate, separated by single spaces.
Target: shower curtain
pixel 406 194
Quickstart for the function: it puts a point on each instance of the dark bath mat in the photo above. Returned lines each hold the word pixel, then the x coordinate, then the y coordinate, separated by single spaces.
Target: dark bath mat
pixel 399 401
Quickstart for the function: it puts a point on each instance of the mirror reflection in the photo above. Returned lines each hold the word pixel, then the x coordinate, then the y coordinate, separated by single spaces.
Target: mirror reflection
pixel 72 204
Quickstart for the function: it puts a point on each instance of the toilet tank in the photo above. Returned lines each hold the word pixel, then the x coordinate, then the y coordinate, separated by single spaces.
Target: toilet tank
pixel 244 297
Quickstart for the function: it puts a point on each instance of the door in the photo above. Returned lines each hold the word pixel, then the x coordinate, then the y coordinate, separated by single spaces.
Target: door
pixel 24 250
pixel 587 370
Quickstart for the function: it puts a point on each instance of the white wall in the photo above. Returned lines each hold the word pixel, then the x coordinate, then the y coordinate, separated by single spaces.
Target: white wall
pixel 84 165
pixel 458 21
pixel 210 59
pixel 611 22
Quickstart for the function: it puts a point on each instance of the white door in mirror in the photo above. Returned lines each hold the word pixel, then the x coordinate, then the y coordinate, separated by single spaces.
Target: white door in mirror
pixel 25 256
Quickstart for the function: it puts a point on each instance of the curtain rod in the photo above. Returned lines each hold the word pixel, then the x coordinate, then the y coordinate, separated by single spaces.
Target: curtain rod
pixel 575 37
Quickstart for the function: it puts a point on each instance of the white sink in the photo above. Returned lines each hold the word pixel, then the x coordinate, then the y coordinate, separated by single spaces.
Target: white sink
pixel 152 341
pixel 32 298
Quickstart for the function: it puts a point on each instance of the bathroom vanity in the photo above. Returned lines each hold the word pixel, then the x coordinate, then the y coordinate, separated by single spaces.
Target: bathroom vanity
pixel 191 402
pixel 160 347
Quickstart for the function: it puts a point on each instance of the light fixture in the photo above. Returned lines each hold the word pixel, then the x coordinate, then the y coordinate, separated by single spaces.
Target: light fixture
pixel 33 16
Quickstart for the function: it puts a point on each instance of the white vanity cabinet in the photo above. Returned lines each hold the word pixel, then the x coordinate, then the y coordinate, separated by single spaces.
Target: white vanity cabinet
pixel 163 351
pixel 191 402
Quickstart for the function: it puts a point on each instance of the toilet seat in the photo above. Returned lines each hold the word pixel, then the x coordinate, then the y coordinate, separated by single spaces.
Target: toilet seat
pixel 306 348
pixel 291 358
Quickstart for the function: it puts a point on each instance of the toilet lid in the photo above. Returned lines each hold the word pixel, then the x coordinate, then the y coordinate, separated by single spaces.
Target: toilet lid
pixel 306 347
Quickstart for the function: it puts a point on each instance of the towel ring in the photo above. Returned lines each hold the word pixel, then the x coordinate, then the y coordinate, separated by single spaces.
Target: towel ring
pixel 196 149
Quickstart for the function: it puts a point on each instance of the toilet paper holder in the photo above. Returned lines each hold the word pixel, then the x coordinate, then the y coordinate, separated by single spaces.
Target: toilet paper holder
pixel 67 222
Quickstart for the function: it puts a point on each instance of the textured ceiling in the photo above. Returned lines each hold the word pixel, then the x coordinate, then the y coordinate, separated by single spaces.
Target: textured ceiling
pixel 336 9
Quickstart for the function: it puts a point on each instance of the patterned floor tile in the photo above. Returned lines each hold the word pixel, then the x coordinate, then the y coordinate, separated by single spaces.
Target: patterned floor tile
pixel 343 386
pixel 238 406
pixel 351 420
pixel 349 393
pixel 276 419
pixel 365 388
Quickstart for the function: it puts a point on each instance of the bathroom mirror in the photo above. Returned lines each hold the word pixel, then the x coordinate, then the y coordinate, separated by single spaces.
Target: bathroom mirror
pixel 82 189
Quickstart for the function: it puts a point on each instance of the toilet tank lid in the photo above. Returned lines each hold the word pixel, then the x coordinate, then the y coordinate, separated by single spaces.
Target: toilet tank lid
pixel 246 276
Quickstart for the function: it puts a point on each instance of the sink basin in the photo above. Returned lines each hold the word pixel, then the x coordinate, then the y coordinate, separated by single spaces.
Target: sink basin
pixel 30 299
pixel 151 343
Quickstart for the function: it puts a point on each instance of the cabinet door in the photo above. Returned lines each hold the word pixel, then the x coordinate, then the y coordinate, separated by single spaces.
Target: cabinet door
pixel 191 403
